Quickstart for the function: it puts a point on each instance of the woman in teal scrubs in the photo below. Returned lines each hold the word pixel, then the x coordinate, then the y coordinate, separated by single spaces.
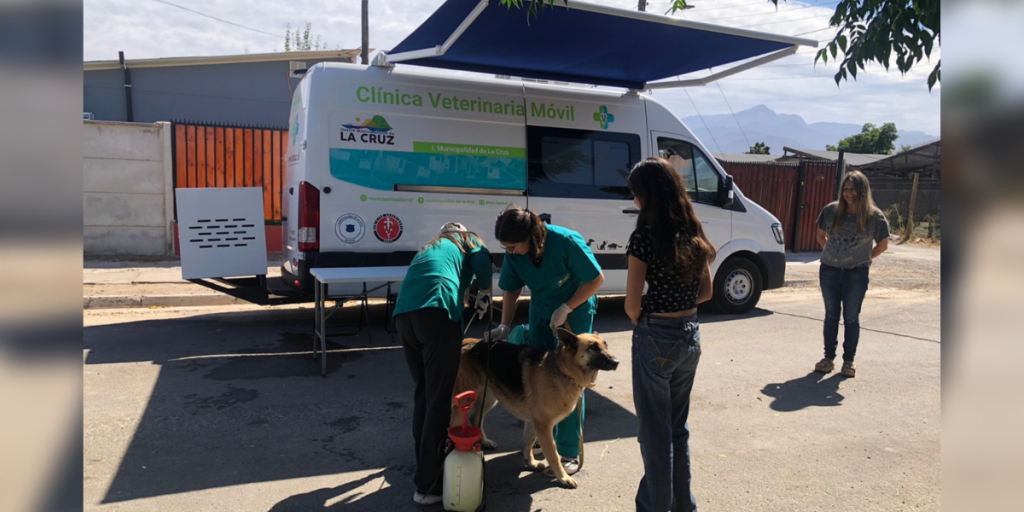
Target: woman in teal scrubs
pixel 428 316
pixel 563 277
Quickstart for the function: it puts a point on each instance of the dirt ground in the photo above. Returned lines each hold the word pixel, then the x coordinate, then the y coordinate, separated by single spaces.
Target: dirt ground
pixel 909 266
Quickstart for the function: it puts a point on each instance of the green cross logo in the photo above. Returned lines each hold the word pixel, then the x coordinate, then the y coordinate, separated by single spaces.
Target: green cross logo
pixel 295 129
pixel 603 117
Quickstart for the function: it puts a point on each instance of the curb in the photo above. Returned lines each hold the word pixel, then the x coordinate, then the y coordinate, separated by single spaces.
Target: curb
pixel 166 301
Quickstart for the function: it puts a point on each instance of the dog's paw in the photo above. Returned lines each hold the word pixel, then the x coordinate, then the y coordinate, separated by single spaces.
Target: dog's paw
pixel 487 444
pixel 567 482
pixel 534 466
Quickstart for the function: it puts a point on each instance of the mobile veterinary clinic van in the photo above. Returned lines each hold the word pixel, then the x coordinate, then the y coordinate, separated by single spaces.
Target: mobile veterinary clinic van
pixel 379 158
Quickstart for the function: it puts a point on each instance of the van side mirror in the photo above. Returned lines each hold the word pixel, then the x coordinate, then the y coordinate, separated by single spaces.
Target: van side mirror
pixel 727 193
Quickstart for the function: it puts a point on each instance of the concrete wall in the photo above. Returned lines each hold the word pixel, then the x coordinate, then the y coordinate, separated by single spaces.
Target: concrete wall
pixel 128 197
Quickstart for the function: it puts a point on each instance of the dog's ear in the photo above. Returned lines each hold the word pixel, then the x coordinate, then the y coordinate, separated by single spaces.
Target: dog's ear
pixel 568 339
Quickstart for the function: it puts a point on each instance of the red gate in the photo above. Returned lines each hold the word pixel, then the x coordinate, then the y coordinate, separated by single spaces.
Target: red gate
pixel 773 186
pixel 817 189
pixel 793 192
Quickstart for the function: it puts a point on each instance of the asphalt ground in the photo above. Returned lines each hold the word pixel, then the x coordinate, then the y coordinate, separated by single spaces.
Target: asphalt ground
pixel 222 408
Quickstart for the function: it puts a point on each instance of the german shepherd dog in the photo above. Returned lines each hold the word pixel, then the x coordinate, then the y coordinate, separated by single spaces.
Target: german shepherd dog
pixel 537 386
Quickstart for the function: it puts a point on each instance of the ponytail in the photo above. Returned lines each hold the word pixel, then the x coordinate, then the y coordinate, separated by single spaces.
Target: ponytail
pixel 516 224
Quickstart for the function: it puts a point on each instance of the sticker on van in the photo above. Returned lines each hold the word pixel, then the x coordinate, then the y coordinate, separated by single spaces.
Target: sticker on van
pixel 387 228
pixel 350 228
pixel 603 117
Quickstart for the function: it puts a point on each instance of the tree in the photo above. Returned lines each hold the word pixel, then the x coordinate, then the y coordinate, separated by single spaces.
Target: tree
pixel 302 40
pixel 759 149
pixel 873 30
pixel 906 147
pixel 870 140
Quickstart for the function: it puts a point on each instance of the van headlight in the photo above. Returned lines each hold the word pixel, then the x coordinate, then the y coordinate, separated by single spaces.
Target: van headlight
pixel 777 231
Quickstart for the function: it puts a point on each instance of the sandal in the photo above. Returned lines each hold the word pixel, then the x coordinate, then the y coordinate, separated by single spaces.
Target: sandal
pixel 824 366
pixel 849 369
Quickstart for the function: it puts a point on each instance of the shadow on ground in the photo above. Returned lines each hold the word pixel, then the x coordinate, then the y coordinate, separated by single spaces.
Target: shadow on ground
pixel 811 390
pixel 508 487
pixel 239 400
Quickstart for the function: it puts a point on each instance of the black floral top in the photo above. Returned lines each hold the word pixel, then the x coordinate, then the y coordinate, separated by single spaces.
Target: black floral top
pixel 666 292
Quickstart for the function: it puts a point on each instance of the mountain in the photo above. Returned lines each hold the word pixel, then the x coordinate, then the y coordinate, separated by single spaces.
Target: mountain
pixel 762 124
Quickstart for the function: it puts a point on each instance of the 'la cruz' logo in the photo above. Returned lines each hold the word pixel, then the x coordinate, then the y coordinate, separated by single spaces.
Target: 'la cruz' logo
pixel 374 130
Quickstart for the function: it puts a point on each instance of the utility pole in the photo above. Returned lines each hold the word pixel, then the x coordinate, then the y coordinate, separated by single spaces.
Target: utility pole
pixel 366 32
pixel 643 5
pixel 127 76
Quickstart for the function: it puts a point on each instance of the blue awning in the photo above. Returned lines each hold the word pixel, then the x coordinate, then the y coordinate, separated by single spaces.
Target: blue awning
pixel 582 43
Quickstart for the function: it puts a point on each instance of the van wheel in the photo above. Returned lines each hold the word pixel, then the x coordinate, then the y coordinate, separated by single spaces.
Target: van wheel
pixel 737 286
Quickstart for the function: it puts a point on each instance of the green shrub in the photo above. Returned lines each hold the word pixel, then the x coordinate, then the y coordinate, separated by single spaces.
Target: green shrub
pixel 896 221
pixel 934 231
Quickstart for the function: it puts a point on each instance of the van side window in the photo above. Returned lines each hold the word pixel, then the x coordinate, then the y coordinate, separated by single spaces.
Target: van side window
pixel 698 173
pixel 580 163
pixel 707 179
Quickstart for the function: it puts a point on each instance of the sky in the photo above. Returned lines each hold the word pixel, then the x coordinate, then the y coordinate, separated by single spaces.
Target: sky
pixel 794 85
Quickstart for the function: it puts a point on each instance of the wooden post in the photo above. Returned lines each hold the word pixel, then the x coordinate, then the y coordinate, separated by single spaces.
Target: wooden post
pixel 910 214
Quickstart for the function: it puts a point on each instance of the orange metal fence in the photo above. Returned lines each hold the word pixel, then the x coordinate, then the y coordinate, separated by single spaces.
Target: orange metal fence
pixel 232 156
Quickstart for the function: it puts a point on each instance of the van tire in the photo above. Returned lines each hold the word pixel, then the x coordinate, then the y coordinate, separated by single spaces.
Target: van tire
pixel 737 286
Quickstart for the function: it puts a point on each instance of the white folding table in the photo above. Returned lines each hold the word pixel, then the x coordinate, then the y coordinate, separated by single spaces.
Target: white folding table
pixel 379 277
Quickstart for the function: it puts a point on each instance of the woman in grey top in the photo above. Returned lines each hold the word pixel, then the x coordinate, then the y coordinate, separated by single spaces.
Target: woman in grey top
pixel 852 232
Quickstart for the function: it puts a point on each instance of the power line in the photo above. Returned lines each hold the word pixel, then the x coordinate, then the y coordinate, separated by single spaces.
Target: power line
pixel 766 13
pixel 698 9
pixel 862 72
pixel 165 2
pixel 813 31
pixel 706 127
pixel 784 21
pixel 719 84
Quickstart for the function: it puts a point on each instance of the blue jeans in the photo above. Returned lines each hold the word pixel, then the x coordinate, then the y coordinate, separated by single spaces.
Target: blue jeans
pixel 665 356
pixel 843 290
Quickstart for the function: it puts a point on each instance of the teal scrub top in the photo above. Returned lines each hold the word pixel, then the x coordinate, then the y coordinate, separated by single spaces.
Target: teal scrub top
pixel 567 264
pixel 439 276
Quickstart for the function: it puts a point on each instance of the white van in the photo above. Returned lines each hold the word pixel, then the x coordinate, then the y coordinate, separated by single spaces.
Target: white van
pixel 378 158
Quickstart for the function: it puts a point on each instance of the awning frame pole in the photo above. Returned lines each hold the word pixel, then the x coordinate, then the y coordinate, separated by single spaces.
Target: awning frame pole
pixel 440 49
pixel 700 82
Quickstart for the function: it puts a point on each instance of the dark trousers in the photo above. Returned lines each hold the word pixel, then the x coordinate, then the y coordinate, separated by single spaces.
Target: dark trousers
pixel 665 356
pixel 843 291
pixel 433 345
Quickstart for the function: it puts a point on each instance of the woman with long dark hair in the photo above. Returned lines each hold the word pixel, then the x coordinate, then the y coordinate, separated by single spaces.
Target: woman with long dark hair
pixel 852 232
pixel 428 316
pixel 669 252
pixel 563 277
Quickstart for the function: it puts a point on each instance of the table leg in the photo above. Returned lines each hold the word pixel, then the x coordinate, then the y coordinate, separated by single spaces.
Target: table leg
pixel 316 315
pixel 366 313
pixel 323 334
pixel 387 314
